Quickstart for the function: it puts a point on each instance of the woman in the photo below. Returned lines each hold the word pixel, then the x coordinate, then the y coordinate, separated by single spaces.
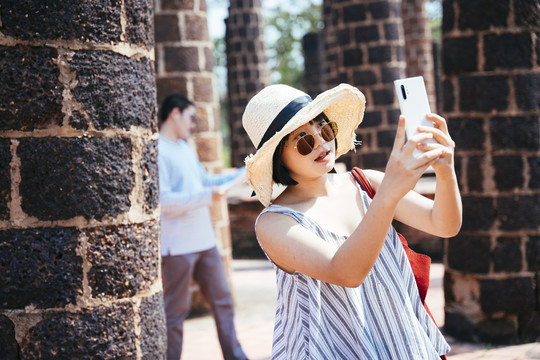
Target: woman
pixel 345 286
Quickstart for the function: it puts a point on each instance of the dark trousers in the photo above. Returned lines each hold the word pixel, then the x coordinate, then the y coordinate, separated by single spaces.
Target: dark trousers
pixel 206 268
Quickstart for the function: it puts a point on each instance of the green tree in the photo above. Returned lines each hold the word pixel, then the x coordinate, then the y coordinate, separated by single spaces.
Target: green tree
pixel 284 31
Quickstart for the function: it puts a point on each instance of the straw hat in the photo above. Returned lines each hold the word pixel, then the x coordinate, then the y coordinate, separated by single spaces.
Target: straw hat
pixel 277 110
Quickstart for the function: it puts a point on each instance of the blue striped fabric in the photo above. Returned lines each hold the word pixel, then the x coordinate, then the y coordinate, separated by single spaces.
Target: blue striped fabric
pixel 381 319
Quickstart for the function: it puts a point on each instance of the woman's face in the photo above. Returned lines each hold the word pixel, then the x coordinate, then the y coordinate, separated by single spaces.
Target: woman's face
pixel 318 162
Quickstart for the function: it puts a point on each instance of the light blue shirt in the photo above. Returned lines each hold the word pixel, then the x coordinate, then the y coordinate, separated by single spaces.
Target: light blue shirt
pixel 185 197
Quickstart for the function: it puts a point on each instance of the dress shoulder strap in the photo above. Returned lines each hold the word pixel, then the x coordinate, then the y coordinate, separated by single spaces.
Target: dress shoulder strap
pixel 361 178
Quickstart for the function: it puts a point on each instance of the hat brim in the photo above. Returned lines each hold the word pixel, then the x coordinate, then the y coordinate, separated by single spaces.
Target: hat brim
pixel 343 104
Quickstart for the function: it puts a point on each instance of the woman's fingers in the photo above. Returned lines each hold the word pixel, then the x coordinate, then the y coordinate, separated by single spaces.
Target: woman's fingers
pixel 399 141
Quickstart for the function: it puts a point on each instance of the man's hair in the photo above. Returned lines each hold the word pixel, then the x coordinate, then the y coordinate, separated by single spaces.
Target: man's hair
pixel 172 101
pixel 280 173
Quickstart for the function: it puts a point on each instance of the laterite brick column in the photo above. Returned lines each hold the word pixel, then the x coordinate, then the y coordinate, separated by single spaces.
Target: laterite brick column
pixel 247 70
pixel 492 103
pixel 314 79
pixel 364 47
pixel 79 220
pixel 418 45
pixel 184 64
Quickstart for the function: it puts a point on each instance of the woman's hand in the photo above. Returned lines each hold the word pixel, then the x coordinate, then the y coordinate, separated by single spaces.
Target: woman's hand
pixel 403 170
pixel 445 145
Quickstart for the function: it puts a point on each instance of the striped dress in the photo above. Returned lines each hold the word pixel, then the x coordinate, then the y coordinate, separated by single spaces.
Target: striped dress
pixel 383 318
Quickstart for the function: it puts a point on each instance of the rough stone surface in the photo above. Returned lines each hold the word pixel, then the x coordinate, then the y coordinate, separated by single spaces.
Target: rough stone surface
pixel 150 176
pixel 533 253
pixel 95 21
pixel 469 254
pixel 457 325
pixel 482 14
pixel 167 28
pixel 467 132
pixel 20 67
pixel 514 296
pixel 527 88
pixel 93 333
pixel 8 345
pixel 5 178
pixel 39 267
pixel 519 212
pixel 497 331
pixel 460 55
pixel 68 177
pixel 534 166
pixel 515 133
pixel 498 57
pixel 124 259
pixel 140 22
pixel 475 176
pixel 508 172
pixel 116 91
pixel 483 93
pixel 507 255
pixel 153 328
pixel 478 213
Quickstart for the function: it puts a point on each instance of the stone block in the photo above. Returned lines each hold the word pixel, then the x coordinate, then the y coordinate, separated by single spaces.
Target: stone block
pixel 527 89
pixel 478 213
pixel 385 138
pixel 170 85
pixel 483 14
pixel 353 57
pixel 467 132
pixel 515 133
pixel 534 171
pixel 391 31
pixel 510 296
pixel 39 267
pixel 115 91
pixel 518 212
pixel 124 259
pixel 203 89
pixel 379 54
pixel 178 4
pixel 379 10
pixel 497 56
pixel 364 78
pixel 150 176
pixel 469 253
pixel 475 175
pixel 459 326
pixel 372 119
pixel 508 172
pixel 460 55
pixel 181 59
pixel 209 59
pixel 196 28
pixel 354 13
pixel 66 20
pixel 497 331
pixel 5 178
pixel 167 28
pixel 20 67
pixel 527 13
pixel 8 343
pixel 68 177
pixel 383 96
pixel 365 34
pixel 374 160
pixel 449 16
pixel 153 328
pixel 140 22
pixel 92 333
pixel 483 93
pixel 449 100
pixel 207 148
pixel 507 254
pixel 529 326
pixel 389 74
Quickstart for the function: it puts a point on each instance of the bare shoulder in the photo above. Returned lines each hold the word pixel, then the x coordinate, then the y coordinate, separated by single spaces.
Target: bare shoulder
pixel 375 177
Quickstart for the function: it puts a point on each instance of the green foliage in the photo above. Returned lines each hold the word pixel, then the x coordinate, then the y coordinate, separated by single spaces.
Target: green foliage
pixel 284 31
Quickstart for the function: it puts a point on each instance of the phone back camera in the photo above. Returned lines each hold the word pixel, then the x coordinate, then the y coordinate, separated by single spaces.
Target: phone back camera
pixel 403 92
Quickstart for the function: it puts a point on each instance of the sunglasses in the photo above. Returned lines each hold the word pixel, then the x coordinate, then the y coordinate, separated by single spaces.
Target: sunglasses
pixel 304 145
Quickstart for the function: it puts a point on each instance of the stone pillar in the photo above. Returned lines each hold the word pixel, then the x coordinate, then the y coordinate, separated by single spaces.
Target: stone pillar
pixel 492 103
pixel 314 79
pixel 79 220
pixel 418 45
pixel 364 47
pixel 184 64
pixel 247 69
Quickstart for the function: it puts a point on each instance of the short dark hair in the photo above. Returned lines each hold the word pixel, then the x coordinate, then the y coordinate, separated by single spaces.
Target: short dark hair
pixel 280 173
pixel 171 102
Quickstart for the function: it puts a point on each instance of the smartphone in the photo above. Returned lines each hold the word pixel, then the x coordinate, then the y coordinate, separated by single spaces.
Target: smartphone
pixel 414 104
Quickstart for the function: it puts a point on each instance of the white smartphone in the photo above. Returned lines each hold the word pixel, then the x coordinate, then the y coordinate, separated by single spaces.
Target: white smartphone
pixel 414 104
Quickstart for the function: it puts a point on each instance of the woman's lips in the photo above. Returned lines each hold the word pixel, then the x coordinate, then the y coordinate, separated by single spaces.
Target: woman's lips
pixel 322 156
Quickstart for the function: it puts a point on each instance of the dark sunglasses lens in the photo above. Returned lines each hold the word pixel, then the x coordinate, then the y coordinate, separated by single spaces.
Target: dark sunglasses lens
pixel 328 132
pixel 305 144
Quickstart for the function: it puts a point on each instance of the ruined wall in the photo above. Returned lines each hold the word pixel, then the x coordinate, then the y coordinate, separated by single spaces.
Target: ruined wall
pixel 247 70
pixel 79 247
pixel 314 78
pixel 364 47
pixel 184 64
pixel 492 103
